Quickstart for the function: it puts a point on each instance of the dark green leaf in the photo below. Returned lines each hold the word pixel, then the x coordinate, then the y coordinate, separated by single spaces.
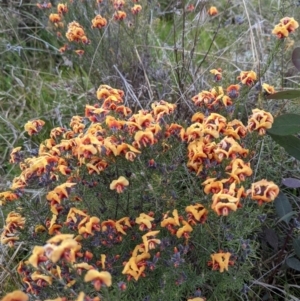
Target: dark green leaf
pixel 287 94
pixel 287 124
pixel 271 238
pixel 290 143
pixel 283 207
pixel 288 216
pixel 296 57
pixel 293 263
pixel 291 182
pixel 296 245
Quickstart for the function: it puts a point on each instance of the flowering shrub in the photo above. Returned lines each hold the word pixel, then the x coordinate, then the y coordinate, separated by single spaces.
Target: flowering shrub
pixel 119 210
pixel 124 204
pixel 103 34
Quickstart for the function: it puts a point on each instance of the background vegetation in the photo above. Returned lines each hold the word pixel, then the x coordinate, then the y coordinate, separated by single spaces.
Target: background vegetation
pixel 164 52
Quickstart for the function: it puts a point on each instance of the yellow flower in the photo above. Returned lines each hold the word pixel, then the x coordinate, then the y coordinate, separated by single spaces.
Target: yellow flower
pixel 98 278
pixel 119 184
pixel 82 266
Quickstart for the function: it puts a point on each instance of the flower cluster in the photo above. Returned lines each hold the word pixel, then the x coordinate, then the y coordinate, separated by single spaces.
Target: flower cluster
pixel 284 27
pixel 76 33
pixel 85 162
pixel 113 10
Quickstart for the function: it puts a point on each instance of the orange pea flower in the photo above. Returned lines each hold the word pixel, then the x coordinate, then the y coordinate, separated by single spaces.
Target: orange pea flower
pixel 143 138
pixel 80 52
pixel 34 126
pixel 260 121
pixel 7 196
pixel 136 265
pixel 98 278
pixel 144 220
pixel 217 74
pixel 263 191
pixel 99 22
pixel 76 33
pixel 196 213
pixel 229 148
pixel 136 9
pixel 119 15
pixel 150 241
pixel 66 250
pixel 205 98
pixel 15 155
pixel 38 256
pixel 40 279
pixel 89 226
pixel 212 11
pixel 185 230
pixel 239 170
pixel 174 221
pixel 15 296
pixel 119 184
pixel 235 129
pixel 233 91
pixel 54 18
pixel 285 26
pixel 247 77
pixel 220 261
pixel 122 225
pixel 62 8
pixel 267 89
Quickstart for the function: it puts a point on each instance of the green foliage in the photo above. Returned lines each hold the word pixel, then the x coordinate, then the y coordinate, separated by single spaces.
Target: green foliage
pixel 164 52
